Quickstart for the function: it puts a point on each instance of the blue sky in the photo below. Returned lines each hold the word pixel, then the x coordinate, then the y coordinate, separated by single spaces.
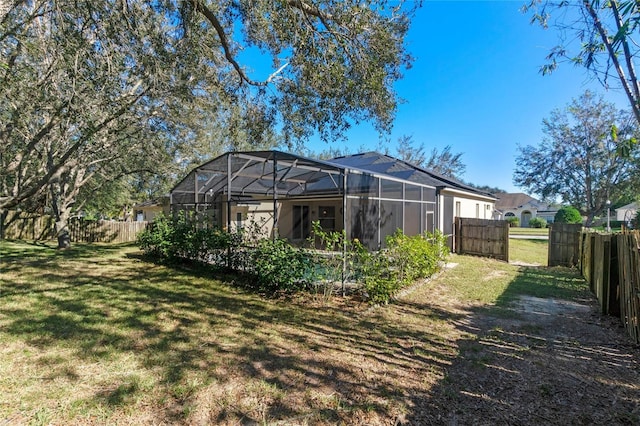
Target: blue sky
pixel 475 85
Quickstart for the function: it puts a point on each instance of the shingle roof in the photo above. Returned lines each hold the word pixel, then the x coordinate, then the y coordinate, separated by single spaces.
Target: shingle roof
pixel 507 201
pixel 384 164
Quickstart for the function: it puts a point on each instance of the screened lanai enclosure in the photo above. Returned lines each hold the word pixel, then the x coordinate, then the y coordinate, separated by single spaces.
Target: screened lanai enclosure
pixel 368 195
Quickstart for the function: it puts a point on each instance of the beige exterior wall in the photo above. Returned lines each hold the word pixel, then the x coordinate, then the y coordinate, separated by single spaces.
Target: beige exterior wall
pixel 627 212
pixel 286 216
pixel 261 216
pixel 530 212
pixel 147 213
pixel 474 208
pixel 464 205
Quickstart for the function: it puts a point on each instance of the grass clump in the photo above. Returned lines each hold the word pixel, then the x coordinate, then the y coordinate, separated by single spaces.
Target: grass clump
pixel 534 252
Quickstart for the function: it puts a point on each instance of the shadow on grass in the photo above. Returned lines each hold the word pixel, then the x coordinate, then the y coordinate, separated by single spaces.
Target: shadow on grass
pixel 541 282
pixel 196 337
pixel 519 366
pixel 173 338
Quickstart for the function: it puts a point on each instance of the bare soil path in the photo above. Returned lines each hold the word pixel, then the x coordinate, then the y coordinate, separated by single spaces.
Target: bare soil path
pixel 547 361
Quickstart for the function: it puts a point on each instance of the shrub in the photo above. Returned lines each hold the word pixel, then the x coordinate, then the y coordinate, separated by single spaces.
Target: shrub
pixel 379 276
pixel 277 265
pixel 274 265
pixel 568 214
pixel 405 260
pixel 537 222
pixel 156 239
pixel 329 265
pixel 176 238
pixel 513 221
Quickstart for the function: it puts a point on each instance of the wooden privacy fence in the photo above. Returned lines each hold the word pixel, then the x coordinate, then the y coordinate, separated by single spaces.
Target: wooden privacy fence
pixel 481 237
pixel 629 282
pixel 40 228
pixel 564 244
pixel 611 265
pixel 15 226
pixel 599 266
pixel 104 231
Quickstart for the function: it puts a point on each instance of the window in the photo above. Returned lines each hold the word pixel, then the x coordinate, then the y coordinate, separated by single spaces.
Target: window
pixel 457 208
pixel 300 222
pixel 327 217
pixel 477 211
pixel 239 220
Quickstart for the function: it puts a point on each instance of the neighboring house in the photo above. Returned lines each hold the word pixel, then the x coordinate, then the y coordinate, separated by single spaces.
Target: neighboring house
pixel 627 213
pixel 368 195
pixel 148 210
pixel 524 207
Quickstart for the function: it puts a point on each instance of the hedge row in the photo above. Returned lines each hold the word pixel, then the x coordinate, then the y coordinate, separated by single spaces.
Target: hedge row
pixel 274 265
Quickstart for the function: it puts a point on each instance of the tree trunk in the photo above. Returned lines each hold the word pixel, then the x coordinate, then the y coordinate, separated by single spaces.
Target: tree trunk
pixel 61 213
pixel 62 231
pixel 3 217
pixel 590 216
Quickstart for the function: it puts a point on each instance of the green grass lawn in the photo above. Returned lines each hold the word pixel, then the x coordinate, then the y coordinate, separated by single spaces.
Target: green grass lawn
pixel 96 334
pixel 528 251
pixel 528 231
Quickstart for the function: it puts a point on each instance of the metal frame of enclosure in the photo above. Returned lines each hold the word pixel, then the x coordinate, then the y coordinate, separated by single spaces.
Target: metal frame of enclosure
pixel 368 195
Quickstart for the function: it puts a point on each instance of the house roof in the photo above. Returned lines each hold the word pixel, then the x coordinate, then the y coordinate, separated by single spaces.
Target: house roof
pixel 384 164
pixel 507 201
pixel 148 203
pixel 631 206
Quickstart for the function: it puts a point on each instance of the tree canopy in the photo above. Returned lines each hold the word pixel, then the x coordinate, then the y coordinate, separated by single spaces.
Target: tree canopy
pixel 443 162
pixel 96 90
pixel 588 156
pixel 600 35
pixel 567 214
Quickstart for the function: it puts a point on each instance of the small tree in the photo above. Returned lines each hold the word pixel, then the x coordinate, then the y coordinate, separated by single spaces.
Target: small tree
pixel 568 214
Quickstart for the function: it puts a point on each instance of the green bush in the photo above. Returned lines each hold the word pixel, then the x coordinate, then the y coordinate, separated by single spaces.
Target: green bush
pixel 274 265
pixel 379 275
pixel 513 221
pixel 329 263
pixel 405 260
pixel 278 266
pixel 568 214
pixel 538 222
pixel 156 239
pixel 178 238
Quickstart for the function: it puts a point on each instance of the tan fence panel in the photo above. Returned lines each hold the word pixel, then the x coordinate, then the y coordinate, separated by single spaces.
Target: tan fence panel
pixel 17 226
pixel 586 257
pixel 104 231
pixel 564 244
pixel 482 237
pixel 604 282
pixel 629 288
pixel 40 228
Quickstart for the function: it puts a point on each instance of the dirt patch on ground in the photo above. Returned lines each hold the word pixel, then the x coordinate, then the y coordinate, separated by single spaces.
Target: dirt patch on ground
pixel 543 361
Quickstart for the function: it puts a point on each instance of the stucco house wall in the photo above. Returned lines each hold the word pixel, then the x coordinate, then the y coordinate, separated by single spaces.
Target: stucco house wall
pixel 147 211
pixel 524 207
pixel 627 212
pixel 454 203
